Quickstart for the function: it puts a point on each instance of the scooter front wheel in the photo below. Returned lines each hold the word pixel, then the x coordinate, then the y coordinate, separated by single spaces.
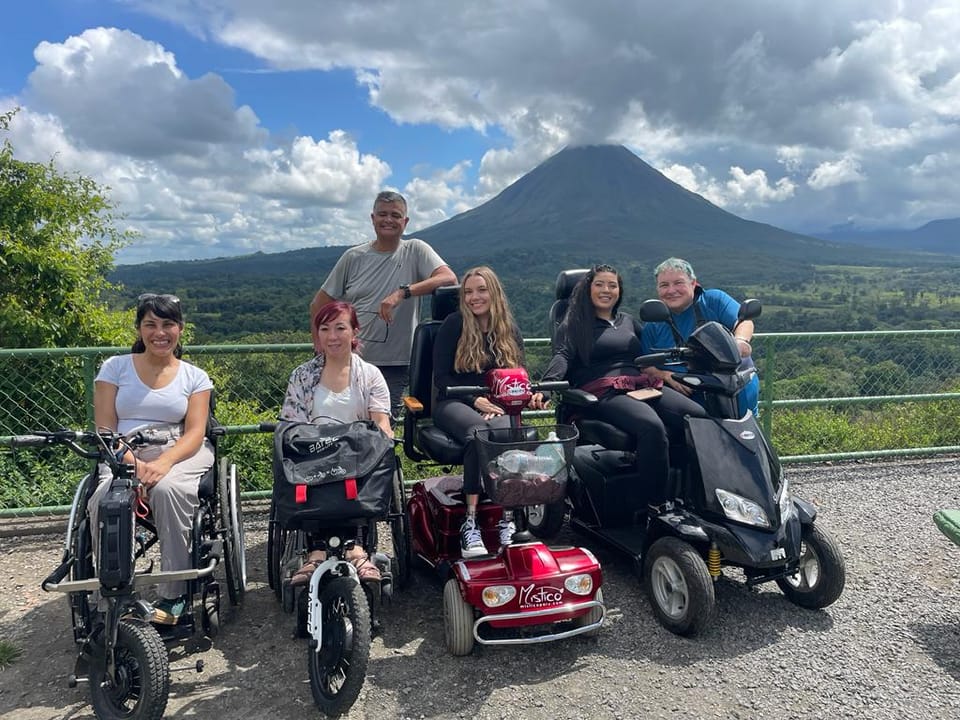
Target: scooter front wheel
pixel 679 586
pixel 142 676
pixel 457 620
pixel 338 670
pixel 822 574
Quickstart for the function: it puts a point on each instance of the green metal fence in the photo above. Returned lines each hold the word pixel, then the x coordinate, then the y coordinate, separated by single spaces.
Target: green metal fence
pixel 835 395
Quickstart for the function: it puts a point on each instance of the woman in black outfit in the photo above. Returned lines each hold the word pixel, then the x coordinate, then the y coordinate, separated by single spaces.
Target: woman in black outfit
pixel 595 349
pixel 479 337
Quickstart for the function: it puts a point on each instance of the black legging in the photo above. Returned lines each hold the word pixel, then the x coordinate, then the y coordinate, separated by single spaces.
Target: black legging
pixel 459 420
pixel 656 425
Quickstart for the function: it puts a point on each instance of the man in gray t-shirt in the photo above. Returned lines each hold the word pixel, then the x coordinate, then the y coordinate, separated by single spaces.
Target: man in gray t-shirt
pixel 384 281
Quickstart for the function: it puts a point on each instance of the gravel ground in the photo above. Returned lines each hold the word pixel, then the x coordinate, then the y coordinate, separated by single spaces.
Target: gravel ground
pixel 889 648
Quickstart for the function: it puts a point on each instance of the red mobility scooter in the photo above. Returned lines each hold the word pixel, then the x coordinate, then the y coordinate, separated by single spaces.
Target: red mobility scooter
pixel 528 592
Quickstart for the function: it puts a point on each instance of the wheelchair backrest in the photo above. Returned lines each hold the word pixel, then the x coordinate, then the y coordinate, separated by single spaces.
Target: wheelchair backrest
pixel 445 301
pixel 566 281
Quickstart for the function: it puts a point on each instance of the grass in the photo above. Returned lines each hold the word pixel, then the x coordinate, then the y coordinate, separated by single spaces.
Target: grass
pixel 8 653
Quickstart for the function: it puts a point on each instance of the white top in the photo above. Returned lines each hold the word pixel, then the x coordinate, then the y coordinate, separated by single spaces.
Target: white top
pixel 346 406
pixel 138 404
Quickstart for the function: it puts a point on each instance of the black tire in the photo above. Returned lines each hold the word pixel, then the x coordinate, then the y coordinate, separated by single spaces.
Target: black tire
pixel 231 520
pixel 211 615
pixel 338 670
pixel 545 521
pixel 595 615
pixel 822 574
pixel 276 546
pixel 80 549
pixel 457 620
pixel 303 600
pixel 143 674
pixel 400 530
pixel 679 586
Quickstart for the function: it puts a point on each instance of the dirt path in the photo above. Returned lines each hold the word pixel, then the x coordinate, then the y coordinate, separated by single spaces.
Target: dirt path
pixel 887 649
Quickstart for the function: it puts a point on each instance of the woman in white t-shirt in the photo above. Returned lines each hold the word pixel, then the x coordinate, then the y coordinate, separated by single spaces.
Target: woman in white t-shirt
pixel 337 385
pixel 153 387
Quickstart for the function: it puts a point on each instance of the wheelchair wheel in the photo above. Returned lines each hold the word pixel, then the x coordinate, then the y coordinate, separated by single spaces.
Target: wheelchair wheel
pixel 78 546
pixel 276 545
pixel 400 530
pixel 231 519
pixel 338 669
pixel 143 676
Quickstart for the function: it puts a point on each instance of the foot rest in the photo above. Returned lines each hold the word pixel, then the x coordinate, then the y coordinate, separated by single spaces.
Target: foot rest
pixel 949 523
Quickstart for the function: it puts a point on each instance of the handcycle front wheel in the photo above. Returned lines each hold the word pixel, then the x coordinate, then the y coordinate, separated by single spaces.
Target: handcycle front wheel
pixel 143 676
pixel 339 668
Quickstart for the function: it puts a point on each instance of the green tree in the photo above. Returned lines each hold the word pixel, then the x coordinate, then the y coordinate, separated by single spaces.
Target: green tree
pixel 57 240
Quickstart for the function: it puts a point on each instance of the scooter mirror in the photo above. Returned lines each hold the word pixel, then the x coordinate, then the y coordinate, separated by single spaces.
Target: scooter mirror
pixel 654 311
pixel 749 309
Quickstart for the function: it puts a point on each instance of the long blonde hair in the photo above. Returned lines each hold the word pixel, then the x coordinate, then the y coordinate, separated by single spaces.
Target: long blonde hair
pixel 471 348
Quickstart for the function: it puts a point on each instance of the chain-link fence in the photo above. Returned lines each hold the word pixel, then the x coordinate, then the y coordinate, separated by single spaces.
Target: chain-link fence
pixel 822 394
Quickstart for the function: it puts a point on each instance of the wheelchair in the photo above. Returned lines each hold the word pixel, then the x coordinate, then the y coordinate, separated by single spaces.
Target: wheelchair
pixel 120 654
pixel 334 485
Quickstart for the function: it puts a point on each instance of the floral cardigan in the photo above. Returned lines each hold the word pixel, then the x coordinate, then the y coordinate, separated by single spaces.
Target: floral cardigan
pixel 365 379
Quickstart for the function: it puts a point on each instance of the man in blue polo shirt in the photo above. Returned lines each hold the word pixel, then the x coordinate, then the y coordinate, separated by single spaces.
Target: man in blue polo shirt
pixel 692 306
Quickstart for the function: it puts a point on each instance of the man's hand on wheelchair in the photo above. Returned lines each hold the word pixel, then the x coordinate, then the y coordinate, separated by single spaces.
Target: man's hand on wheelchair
pixel 538 402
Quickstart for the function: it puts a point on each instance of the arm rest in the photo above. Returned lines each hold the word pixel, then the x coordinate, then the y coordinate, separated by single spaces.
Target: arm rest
pixel 413 405
pixel 577 398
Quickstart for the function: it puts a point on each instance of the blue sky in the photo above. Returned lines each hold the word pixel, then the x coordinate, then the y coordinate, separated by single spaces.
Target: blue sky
pixel 231 126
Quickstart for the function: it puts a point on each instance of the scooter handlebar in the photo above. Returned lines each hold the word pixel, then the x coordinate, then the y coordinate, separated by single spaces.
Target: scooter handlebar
pixel 466 390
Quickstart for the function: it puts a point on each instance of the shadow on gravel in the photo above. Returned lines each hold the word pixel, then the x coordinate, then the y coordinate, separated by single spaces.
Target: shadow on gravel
pixel 941 642
pixel 745 620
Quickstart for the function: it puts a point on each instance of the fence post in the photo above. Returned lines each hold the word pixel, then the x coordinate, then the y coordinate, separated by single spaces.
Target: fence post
pixel 89 373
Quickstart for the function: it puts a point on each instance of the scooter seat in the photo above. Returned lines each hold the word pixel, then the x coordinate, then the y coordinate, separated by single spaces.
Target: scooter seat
pixel 597 432
pixel 440 447
pixel 949 523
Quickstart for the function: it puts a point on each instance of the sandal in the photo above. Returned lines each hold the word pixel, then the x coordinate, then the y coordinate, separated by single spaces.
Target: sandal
pixel 302 576
pixel 167 611
pixel 366 570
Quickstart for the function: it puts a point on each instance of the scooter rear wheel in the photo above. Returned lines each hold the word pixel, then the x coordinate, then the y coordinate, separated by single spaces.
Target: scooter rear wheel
pixel 679 586
pixel 338 670
pixel 545 521
pixel 143 676
pixel 822 574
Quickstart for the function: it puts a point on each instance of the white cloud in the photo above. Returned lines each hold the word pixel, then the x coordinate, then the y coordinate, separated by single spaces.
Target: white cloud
pixel 831 174
pixel 770 110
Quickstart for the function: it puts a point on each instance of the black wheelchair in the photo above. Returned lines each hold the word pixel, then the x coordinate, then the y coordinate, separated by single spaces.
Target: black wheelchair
pixel 120 653
pixel 334 485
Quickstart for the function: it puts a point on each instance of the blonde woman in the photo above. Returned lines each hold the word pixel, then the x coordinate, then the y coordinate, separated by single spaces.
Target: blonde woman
pixel 480 336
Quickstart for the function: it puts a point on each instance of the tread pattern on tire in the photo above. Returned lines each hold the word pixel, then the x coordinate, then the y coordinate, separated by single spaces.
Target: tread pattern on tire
pixel 699 584
pixel 457 620
pixel 146 650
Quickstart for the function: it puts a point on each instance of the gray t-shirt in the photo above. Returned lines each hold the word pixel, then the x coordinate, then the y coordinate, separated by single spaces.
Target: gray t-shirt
pixel 364 277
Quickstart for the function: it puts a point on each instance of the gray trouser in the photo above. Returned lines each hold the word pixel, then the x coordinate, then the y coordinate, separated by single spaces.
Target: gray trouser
pixel 397 378
pixel 173 502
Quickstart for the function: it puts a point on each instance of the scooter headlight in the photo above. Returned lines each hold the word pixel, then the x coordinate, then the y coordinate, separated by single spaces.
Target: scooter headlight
pixel 497 595
pixel 579 584
pixel 785 503
pixel 742 510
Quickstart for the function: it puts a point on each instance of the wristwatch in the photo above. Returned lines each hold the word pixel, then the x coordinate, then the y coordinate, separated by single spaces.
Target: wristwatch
pixel 406 291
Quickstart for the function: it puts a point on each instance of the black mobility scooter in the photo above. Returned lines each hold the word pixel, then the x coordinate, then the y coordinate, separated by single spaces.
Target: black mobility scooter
pixel 731 505
pixel 333 485
pixel 121 655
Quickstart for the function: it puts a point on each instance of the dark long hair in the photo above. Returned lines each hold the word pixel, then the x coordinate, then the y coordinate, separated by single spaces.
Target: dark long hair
pixel 166 307
pixel 581 315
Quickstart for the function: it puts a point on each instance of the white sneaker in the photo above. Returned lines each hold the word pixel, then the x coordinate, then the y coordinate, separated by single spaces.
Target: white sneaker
pixel 471 541
pixel 507 529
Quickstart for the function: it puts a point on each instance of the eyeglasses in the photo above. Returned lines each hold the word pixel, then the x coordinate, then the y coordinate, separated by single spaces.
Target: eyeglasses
pixel 372 327
pixel 145 297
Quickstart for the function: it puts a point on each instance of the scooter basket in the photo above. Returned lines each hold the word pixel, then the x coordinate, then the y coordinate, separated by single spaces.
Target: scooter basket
pixel 527 465
pixel 326 474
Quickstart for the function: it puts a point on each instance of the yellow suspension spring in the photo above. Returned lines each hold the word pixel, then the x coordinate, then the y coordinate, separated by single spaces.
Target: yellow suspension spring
pixel 713 561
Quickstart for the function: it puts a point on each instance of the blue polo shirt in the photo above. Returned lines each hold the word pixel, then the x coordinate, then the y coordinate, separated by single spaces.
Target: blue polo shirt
pixel 715 305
